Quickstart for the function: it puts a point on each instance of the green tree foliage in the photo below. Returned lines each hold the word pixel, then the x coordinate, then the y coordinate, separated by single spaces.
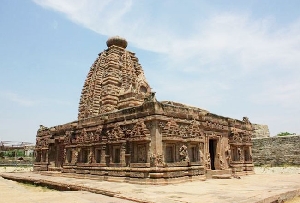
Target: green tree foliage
pixel 285 134
pixel 1 154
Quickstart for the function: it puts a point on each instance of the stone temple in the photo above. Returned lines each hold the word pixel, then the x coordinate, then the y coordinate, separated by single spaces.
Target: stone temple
pixel 124 134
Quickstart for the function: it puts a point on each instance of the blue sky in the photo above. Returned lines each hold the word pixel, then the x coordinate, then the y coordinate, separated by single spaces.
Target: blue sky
pixel 233 58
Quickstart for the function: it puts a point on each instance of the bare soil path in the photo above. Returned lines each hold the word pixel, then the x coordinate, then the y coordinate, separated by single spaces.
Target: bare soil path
pixel 267 185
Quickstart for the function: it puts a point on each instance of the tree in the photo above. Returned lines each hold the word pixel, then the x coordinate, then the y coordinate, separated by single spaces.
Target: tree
pixel 285 134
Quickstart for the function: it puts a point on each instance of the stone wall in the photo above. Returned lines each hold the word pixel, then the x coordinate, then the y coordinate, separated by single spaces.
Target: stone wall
pixel 276 151
pixel 260 131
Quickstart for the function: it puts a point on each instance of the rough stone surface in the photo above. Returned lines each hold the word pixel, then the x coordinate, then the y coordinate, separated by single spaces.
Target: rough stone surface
pixel 260 131
pixel 276 151
pixel 259 188
pixel 115 81
pixel 13 192
pixel 124 134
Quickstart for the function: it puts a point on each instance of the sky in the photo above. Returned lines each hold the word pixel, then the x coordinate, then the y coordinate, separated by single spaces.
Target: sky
pixel 233 58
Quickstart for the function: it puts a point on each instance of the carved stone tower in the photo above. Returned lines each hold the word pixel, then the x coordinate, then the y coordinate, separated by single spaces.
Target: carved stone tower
pixel 115 81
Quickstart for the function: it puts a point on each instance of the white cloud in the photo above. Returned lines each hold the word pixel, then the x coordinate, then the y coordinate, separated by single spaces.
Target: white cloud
pixel 20 100
pixel 28 102
pixel 243 43
pixel 250 44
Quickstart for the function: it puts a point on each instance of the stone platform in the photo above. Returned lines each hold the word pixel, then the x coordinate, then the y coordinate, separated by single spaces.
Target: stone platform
pixel 258 188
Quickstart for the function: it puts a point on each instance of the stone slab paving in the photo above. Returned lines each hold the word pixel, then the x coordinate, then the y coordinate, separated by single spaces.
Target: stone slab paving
pixel 13 192
pixel 261 188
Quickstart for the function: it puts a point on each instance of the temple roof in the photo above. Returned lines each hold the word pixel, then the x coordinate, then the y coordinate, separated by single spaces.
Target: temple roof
pixel 115 81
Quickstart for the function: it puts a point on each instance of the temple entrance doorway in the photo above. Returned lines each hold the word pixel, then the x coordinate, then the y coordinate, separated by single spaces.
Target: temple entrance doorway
pixel 59 155
pixel 212 153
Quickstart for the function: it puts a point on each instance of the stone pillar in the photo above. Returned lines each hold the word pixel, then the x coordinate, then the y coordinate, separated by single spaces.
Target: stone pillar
pixel 148 150
pixel 156 138
pixel 91 155
pixel 250 154
pixel 103 159
pixel 110 154
pixel 201 153
pixel 38 156
pixel 122 154
pixel 75 155
pixel 47 153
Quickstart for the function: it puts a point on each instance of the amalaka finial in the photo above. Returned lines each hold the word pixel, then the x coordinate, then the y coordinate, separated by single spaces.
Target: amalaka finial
pixel 117 41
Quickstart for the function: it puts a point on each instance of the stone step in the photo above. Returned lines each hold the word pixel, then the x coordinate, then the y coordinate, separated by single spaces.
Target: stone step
pixel 223 176
pixel 218 173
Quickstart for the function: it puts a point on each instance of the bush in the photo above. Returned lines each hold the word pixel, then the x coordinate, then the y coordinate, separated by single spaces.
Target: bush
pixel 285 134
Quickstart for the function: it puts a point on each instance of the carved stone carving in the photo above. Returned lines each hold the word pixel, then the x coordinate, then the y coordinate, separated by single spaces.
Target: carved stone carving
pixel 42 128
pixel 65 155
pixel 246 138
pixel 221 161
pixel 116 133
pixel 42 142
pixel 201 154
pixel 171 129
pixel 90 157
pixel 240 155
pixel 128 86
pixel 150 98
pixel 228 155
pixel 68 137
pixel 140 129
pixel 194 130
pixel 235 135
pixel 83 137
pixel 201 157
pixel 246 120
pixel 142 154
pixel 156 160
pixel 183 153
pixel 76 152
pixel 208 164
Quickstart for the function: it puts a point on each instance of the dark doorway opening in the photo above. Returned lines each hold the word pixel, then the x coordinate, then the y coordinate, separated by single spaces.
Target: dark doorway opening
pixel 59 154
pixel 212 153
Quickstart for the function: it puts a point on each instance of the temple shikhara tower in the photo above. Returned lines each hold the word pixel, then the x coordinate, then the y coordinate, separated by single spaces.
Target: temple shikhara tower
pixel 124 134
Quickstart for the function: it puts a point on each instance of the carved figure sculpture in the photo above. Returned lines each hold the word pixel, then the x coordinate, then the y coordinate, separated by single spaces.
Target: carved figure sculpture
pixel 208 161
pixel 150 98
pixel 183 152
pixel 222 166
pixel 65 155
pixel 228 155
pixel 201 157
pixel 90 157
pixel 240 157
pixel 76 156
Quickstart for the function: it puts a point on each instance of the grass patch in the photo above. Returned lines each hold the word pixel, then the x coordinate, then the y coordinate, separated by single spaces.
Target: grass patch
pixel 36 188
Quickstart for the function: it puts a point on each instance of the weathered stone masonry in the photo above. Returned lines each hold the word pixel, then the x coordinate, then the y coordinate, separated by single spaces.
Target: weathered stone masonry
pixel 276 151
pixel 123 133
pixel 260 131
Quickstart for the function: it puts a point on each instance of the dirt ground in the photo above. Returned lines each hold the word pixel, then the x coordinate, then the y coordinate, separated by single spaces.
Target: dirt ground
pixel 268 181
pixel 258 170
pixel 294 200
pixel 10 169
pixel 277 170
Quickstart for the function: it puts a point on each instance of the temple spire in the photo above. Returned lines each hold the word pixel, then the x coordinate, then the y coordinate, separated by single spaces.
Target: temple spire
pixel 116 80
